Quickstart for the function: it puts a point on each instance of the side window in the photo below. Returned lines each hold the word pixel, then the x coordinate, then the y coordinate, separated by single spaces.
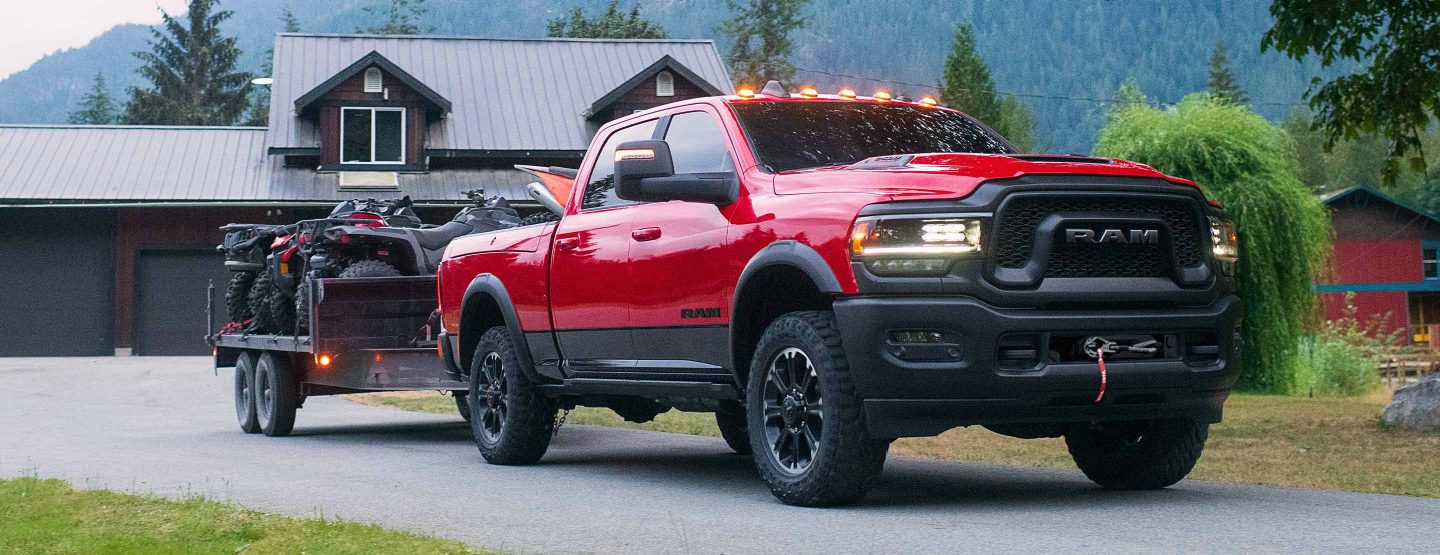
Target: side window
pixel 697 144
pixel 600 191
pixel 1430 258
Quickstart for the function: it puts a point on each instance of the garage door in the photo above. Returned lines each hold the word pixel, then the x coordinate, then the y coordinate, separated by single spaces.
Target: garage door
pixel 56 282
pixel 170 293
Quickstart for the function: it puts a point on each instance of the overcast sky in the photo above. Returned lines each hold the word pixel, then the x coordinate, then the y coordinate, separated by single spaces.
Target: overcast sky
pixel 38 27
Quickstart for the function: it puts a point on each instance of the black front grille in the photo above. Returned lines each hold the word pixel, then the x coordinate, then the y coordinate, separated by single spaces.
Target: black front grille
pixel 1018 219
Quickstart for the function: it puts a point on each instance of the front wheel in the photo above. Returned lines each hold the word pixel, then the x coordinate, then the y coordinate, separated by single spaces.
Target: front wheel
pixel 511 419
pixel 1150 454
pixel 806 424
pixel 237 296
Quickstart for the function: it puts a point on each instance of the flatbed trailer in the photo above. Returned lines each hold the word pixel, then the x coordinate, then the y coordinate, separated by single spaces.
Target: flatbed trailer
pixel 365 335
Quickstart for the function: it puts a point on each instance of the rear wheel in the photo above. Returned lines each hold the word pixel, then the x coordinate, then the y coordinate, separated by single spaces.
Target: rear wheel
pixel 282 311
pixel 277 395
pixel 237 296
pixel 369 268
pixel 245 393
pixel 1138 455
pixel 512 421
pixel 806 424
pixel 731 421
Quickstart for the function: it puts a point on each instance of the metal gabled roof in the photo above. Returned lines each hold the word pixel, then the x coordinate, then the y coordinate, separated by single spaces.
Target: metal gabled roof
pixel 507 94
pixel 131 163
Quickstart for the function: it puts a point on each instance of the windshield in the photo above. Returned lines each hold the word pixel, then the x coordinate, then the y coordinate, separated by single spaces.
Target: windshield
pixel 794 135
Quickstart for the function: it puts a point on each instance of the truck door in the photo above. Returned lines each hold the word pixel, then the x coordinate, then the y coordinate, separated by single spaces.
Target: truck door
pixel 589 270
pixel 679 277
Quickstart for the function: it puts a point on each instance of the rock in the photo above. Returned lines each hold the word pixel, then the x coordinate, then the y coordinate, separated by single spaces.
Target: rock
pixel 1416 406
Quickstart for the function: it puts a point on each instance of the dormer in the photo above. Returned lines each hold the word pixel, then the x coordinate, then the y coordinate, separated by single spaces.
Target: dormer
pixel 663 82
pixel 372 116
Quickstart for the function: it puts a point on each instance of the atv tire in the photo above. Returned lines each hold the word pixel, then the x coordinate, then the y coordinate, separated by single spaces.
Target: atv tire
pixel 282 311
pixel 302 307
pixel 259 303
pixel 540 217
pixel 511 419
pixel 1137 455
pixel 369 268
pixel 237 296
pixel 806 423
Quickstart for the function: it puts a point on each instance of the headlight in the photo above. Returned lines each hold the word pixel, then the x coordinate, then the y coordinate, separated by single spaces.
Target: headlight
pixel 1224 243
pixel 913 246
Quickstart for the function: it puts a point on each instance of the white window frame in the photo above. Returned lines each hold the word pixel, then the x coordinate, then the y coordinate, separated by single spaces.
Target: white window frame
pixel 1426 262
pixel 661 88
pixel 373 162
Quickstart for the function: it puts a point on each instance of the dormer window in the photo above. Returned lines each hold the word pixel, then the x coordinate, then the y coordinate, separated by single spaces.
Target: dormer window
pixel 372 135
pixel 373 82
pixel 664 84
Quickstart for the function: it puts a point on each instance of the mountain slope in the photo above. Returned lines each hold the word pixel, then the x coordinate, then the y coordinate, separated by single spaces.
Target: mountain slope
pixel 1064 57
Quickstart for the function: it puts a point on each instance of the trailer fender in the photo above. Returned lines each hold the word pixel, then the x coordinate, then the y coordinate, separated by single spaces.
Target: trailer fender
pixel 487 304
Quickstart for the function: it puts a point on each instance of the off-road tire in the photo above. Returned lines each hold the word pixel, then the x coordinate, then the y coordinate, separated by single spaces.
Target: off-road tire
pixel 1137 455
pixel 277 395
pixel 237 296
pixel 245 393
pixel 731 421
pixel 259 303
pixel 282 311
pixel 845 462
pixel 369 268
pixel 512 421
pixel 540 217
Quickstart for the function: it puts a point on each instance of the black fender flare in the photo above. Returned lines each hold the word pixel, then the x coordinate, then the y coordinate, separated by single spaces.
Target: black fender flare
pixel 489 285
pixel 783 253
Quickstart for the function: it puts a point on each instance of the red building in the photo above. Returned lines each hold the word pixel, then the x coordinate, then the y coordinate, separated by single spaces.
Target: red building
pixel 1387 253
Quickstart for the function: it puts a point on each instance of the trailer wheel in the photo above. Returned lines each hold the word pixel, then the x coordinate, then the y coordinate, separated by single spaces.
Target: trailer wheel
pixel 277 395
pixel 245 393
pixel 511 420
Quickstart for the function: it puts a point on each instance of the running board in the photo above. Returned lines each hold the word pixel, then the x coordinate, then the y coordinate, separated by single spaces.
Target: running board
pixel 643 388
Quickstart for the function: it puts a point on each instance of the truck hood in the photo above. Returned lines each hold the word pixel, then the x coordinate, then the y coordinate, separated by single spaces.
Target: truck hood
pixel 925 176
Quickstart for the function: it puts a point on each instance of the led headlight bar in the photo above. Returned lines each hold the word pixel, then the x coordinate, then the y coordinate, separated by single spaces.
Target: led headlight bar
pixel 913 246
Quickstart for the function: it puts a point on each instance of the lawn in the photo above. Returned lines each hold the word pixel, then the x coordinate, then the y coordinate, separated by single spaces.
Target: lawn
pixel 1284 441
pixel 47 516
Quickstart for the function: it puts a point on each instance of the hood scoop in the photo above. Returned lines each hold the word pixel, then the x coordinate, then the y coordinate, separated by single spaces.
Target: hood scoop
pixel 1060 158
pixel 882 162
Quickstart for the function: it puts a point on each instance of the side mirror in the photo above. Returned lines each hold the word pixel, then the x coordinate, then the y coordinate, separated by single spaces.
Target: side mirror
pixel 543 196
pixel 644 171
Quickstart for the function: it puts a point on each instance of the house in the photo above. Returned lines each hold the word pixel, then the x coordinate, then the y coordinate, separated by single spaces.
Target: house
pixel 109 231
pixel 1387 256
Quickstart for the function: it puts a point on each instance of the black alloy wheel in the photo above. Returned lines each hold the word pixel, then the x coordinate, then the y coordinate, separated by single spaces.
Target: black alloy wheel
pixel 491 399
pixel 794 419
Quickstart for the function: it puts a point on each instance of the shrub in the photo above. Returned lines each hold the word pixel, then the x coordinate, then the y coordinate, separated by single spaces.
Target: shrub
pixel 1328 366
pixel 1249 166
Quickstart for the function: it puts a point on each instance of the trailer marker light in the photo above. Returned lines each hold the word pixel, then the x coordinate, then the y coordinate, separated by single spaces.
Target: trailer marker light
pixel 882 96
pixel 809 92
pixel 324 360
pixel 928 101
pixel 745 93
pixel 377 357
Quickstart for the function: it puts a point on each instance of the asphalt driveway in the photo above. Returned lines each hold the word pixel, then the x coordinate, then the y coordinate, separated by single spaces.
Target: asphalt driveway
pixel 165 425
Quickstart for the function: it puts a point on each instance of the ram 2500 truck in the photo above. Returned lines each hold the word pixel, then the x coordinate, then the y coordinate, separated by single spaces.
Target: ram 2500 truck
pixel 827 273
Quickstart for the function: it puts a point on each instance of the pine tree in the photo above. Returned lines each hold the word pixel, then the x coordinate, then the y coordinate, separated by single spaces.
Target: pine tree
pixel 965 82
pixel 966 85
pixel 259 115
pixel 1222 81
pixel 761 30
pixel 192 73
pixel 96 107
pixel 609 25
pixel 401 18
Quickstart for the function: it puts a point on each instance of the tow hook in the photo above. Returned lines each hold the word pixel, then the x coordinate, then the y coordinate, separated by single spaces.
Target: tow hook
pixel 1096 347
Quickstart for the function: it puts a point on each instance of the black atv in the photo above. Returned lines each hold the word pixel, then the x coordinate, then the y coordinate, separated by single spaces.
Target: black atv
pixel 246 247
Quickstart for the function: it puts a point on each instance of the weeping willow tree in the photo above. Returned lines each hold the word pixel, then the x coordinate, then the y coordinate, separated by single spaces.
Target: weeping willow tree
pixel 1249 166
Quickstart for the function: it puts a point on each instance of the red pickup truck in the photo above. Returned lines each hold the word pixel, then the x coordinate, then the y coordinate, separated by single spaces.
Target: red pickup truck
pixel 827 273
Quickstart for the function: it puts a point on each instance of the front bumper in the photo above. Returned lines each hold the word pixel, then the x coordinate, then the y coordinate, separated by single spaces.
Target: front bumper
pixel 974 377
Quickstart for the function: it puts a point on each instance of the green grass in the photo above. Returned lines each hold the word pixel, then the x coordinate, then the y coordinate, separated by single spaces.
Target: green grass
pixel 1324 443
pixel 47 516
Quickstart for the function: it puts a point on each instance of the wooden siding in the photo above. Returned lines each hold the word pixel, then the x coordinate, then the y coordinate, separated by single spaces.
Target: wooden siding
pixel 352 90
pixel 642 97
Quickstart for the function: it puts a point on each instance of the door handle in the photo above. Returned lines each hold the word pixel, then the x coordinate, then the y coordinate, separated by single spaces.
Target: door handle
pixel 645 234
pixel 567 243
